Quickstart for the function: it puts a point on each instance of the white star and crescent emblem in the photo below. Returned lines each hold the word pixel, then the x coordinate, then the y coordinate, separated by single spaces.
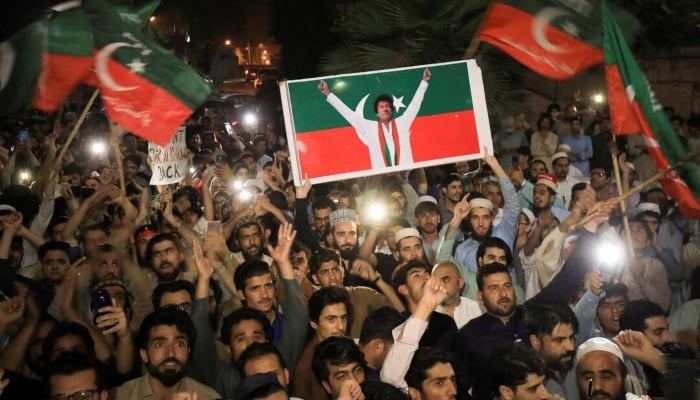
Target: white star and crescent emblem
pixel 544 19
pixel 136 66
pixel 102 69
pixel 398 103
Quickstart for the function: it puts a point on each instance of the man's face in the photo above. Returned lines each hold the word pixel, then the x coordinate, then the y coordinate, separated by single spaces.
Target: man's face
pixel 244 334
pixel 449 276
pixel 300 262
pixel 415 280
pixel 492 255
pixel 166 354
pixel 182 204
pixel 561 167
pixel 498 294
pixel 605 371
pixel 532 389
pixel 337 374
pixel 72 384
pixel 608 314
pixel 54 265
pixel 492 191
pixel 265 364
pixel 480 220
pixel 345 238
pixel 118 294
pixel 599 178
pixel 322 219
pixel 558 348
pixel 180 299
pixel 428 221
pixel 652 222
pixel 56 231
pixel 384 111
pixel 657 330
pixel 259 292
pixel 440 383
pixel 391 236
pixel 410 248
pixel 333 321
pixel 260 148
pixel 542 198
pixel 67 343
pixel 249 240
pixel 130 170
pixel 93 239
pixel 130 143
pixel 141 244
pixel 537 168
pixel 575 127
pixel 453 192
pixel 166 260
pixel 329 274
pixel 107 266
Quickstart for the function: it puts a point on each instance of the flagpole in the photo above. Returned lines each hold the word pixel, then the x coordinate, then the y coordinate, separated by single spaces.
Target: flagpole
pixel 79 123
pixel 621 199
pixel 114 139
pixel 472 49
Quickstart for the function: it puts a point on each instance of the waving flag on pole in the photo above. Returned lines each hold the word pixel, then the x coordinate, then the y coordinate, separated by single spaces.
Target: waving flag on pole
pixel 635 109
pixel 68 60
pixel 144 87
pixel 555 38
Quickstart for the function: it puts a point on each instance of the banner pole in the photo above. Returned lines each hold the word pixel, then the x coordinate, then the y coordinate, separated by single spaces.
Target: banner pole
pixel 472 49
pixel 621 200
pixel 77 126
pixel 114 139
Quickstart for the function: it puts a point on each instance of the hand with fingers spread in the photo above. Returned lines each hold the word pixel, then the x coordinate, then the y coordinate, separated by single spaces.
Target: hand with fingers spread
pixel 302 191
pixel 280 253
pixel 636 345
pixel 11 310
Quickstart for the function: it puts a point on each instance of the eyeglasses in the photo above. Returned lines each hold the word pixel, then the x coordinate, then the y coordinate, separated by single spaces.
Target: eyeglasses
pixel 186 307
pixel 599 174
pixel 79 395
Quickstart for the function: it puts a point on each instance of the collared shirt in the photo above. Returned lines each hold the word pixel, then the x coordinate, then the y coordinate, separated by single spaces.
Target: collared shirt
pixel 466 310
pixel 140 389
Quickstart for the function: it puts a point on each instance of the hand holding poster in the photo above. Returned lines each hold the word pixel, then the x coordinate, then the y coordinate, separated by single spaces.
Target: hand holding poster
pixel 169 163
pixel 353 125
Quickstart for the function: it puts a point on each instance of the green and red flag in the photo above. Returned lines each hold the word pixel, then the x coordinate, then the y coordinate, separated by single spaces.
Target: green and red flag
pixel 435 122
pixel 68 60
pixel 555 38
pixel 145 88
pixel 20 63
pixel 635 109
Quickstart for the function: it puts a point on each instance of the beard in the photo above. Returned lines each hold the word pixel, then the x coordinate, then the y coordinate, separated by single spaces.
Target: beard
pixel 255 255
pixel 350 252
pixel 559 364
pixel 480 238
pixel 168 377
pixel 168 276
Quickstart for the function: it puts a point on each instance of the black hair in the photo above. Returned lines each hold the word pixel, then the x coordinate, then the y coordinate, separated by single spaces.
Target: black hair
pixel 541 317
pixel 161 237
pixel 424 359
pixel 320 257
pixel 616 289
pixel 426 207
pixel 400 274
pixel 636 312
pixel 510 365
pixel 639 220
pixel 63 329
pixel 379 324
pixel 246 224
pixel 249 269
pixel 258 350
pixel 322 203
pixel 397 221
pixel 264 390
pixel 335 351
pixel 449 178
pixel 171 287
pixel 378 390
pixel 93 228
pixel 53 245
pixel 383 98
pixel 72 362
pixel 134 158
pixel 170 316
pixel 487 270
pixel 244 314
pixel 299 247
pixel 325 297
pixel 497 242
pixel 542 118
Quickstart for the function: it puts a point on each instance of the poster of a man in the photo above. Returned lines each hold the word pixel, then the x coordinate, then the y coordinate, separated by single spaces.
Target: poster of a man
pixel 388 138
pixel 377 122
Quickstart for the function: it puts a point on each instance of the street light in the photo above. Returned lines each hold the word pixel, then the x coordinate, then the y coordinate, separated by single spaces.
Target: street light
pixel 227 42
pixel 598 98
pixel 152 19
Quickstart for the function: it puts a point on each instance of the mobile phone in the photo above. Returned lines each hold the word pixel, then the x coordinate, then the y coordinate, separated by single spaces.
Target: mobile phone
pixel 76 190
pixel 23 136
pixel 221 159
pixel 213 225
pixel 86 191
pixel 99 298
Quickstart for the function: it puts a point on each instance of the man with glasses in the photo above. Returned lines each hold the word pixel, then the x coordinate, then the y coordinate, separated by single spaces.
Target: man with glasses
pixel 75 376
pixel 177 294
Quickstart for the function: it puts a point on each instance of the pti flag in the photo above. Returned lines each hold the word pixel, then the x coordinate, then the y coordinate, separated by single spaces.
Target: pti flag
pixel 20 63
pixel 635 109
pixel 354 125
pixel 144 87
pixel 68 60
pixel 555 38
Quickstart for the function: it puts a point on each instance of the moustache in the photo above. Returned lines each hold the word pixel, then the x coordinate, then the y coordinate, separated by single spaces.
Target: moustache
pixel 171 359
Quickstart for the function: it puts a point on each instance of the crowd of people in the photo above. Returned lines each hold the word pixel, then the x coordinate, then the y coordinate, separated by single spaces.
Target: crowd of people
pixel 510 277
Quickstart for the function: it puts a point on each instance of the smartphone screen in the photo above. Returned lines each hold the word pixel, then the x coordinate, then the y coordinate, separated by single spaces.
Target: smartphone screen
pixel 23 136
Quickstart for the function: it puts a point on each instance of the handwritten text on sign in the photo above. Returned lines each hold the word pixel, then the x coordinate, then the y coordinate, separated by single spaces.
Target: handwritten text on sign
pixel 169 163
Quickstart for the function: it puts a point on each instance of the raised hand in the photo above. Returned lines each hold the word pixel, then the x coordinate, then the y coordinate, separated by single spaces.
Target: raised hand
pixel 202 263
pixel 426 75
pixel 363 269
pixel 302 191
pixel 350 390
pixel 285 239
pixel 434 293
pixel 323 87
pixel 11 310
pixel 112 319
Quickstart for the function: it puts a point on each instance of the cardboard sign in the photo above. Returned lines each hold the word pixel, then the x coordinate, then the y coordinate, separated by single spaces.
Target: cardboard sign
pixel 169 163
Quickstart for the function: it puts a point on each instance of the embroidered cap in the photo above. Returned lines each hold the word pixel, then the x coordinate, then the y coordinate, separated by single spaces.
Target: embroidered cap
pixel 481 203
pixel 548 180
pixel 343 214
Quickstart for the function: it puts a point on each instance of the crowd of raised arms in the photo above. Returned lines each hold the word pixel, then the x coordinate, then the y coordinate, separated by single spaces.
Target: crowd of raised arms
pixel 508 277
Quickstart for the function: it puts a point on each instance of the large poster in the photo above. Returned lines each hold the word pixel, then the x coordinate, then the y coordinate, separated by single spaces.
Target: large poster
pixel 169 163
pixel 348 126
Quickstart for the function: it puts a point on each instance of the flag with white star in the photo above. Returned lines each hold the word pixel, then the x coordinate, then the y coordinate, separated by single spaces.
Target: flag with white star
pixel 555 38
pixel 144 88
pixel 432 121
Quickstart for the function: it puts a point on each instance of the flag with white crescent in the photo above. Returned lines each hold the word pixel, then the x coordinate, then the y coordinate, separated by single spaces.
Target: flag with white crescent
pixel 20 62
pixel 555 38
pixel 145 89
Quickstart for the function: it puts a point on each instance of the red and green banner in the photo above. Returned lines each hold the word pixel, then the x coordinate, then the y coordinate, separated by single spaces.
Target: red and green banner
pixel 555 38
pixel 68 60
pixel 20 63
pixel 635 109
pixel 145 89
pixel 435 121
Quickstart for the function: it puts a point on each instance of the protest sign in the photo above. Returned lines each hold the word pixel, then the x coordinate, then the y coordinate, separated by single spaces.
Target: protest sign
pixel 335 134
pixel 169 163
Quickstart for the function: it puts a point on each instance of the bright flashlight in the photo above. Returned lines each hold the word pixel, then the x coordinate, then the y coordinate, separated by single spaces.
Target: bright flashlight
pixel 237 185
pixel 376 211
pixel 245 195
pixel 24 175
pixel 98 147
pixel 193 170
pixel 610 256
pixel 598 98
pixel 250 119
